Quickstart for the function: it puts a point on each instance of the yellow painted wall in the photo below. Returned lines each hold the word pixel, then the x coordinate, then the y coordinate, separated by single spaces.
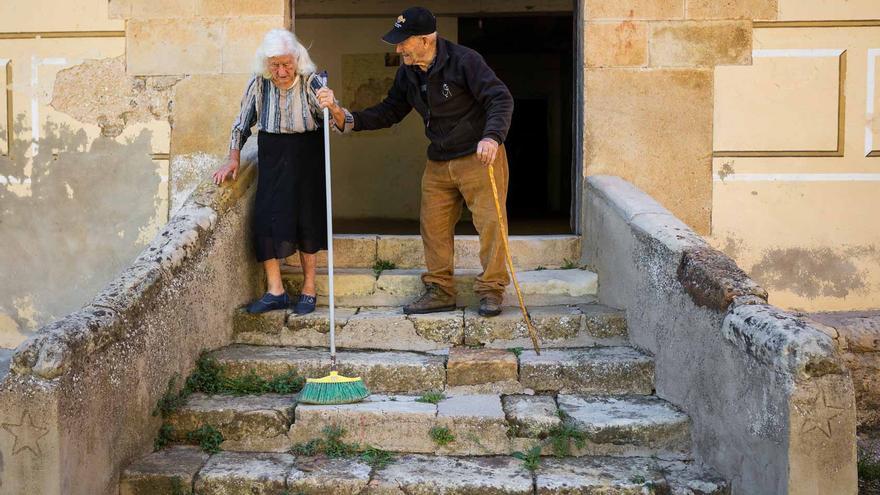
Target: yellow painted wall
pixel 796 174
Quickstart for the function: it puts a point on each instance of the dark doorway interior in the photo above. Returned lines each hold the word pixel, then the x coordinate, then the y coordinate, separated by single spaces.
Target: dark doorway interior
pixel 533 56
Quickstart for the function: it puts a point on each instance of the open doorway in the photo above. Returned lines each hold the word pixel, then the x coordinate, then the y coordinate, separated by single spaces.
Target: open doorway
pixel 377 173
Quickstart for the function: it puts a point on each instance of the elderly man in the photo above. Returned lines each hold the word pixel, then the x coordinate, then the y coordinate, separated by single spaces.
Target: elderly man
pixel 466 110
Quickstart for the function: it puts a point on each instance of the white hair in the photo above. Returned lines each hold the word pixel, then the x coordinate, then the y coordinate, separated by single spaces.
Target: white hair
pixel 278 42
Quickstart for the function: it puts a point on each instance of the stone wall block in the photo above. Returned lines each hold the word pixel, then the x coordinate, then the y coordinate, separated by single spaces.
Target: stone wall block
pixel 204 108
pixel 238 8
pixel 195 43
pixel 241 37
pixel 661 117
pixel 616 44
pixel 763 10
pixel 700 44
pixel 634 9
pixel 151 9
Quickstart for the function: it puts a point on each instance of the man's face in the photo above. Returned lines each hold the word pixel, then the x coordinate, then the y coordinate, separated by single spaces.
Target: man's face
pixel 412 50
pixel 283 69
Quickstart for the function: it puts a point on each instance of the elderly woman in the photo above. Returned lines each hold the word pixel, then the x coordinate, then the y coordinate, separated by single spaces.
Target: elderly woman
pixel 290 209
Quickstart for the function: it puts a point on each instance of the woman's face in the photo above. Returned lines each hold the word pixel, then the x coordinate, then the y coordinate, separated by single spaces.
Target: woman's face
pixel 283 69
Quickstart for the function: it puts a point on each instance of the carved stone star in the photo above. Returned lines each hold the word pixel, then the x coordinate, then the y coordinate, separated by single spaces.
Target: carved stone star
pixel 821 413
pixel 27 435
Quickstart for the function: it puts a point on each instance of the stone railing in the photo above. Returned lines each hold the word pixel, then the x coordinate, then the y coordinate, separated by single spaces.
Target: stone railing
pixel 77 404
pixel 770 401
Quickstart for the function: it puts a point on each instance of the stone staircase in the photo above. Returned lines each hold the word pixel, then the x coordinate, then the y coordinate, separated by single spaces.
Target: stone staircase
pixel 458 400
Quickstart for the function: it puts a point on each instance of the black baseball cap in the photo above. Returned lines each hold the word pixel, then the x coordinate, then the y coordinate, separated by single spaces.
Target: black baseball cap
pixel 414 21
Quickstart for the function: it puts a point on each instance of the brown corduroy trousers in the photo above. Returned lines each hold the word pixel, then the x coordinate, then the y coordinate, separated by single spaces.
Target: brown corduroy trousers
pixel 445 186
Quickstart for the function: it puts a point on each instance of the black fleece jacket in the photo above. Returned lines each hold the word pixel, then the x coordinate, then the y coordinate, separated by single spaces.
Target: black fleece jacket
pixel 466 103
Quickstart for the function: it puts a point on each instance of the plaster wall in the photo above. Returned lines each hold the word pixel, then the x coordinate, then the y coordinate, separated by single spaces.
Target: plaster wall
pixel 795 167
pixel 83 166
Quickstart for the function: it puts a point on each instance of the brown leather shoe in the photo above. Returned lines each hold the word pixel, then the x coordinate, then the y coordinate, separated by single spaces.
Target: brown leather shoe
pixel 490 305
pixel 433 300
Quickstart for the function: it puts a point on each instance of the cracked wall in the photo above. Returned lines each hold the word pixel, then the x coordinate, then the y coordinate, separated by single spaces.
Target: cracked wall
pixel 84 165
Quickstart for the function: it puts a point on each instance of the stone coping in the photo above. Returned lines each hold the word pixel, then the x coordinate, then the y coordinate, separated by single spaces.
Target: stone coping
pixel 712 280
pixel 770 400
pixel 109 316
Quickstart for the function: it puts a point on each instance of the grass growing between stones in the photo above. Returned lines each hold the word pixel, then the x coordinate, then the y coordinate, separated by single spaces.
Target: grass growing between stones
pixel 869 469
pixel 381 265
pixel 531 458
pixel 441 435
pixel 431 397
pixel 517 351
pixel 331 445
pixel 568 264
pixel 164 438
pixel 561 437
pixel 377 458
pixel 207 437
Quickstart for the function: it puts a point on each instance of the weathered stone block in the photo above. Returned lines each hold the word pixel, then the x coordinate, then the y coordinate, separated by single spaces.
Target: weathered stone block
pixel 418 474
pixel 477 422
pixel 236 8
pixel 552 323
pixel 158 9
pixel 347 282
pixel 397 372
pixel 474 366
pixel 310 330
pixel 233 473
pixel 252 423
pixel 571 283
pixel 195 43
pixel 316 477
pixel 405 251
pixel 603 322
pixel 634 9
pixel 400 282
pixel 602 370
pixel 713 280
pixel 599 475
pixel 757 10
pixel 242 36
pixel 617 44
pixel 349 251
pixel 445 327
pixel 161 472
pixel 270 322
pixel 531 416
pixel 690 477
pixel 638 421
pixel 385 328
pixel 700 44
pixel 204 109
pixel 399 425
pixel 672 131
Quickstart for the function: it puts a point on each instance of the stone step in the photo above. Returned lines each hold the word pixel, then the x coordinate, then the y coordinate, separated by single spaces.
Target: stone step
pixel 584 325
pixel 382 372
pixel 272 473
pixel 254 423
pixel 597 370
pixel 479 424
pixel 406 251
pixel 589 370
pixel 354 287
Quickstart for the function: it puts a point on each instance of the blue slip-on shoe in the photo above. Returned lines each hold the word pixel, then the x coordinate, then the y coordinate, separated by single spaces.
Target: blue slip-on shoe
pixel 269 302
pixel 305 305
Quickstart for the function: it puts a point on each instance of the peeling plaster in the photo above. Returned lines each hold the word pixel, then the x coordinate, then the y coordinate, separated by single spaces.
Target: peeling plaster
pixel 812 272
pixel 99 92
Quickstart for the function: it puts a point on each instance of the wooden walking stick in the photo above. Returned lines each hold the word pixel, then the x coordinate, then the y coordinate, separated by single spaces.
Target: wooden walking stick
pixel 532 332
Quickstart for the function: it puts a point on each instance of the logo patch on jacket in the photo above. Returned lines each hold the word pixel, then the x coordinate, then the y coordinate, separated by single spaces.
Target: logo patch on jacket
pixel 445 91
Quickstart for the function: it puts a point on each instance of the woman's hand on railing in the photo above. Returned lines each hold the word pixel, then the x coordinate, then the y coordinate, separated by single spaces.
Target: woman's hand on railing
pixel 230 169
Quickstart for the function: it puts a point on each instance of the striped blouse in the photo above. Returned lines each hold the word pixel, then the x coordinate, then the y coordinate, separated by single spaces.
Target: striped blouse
pixel 276 110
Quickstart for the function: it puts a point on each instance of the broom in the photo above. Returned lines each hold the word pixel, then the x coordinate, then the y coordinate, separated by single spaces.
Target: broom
pixel 532 332
pixel 334 388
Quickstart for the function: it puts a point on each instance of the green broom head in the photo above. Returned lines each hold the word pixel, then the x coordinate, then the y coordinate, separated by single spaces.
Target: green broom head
pixel 333 389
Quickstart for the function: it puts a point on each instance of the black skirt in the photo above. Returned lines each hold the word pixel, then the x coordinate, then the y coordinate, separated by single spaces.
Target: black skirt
pixel 290 210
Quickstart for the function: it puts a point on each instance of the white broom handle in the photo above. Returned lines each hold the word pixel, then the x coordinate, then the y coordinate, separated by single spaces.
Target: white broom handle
pixel 329 237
